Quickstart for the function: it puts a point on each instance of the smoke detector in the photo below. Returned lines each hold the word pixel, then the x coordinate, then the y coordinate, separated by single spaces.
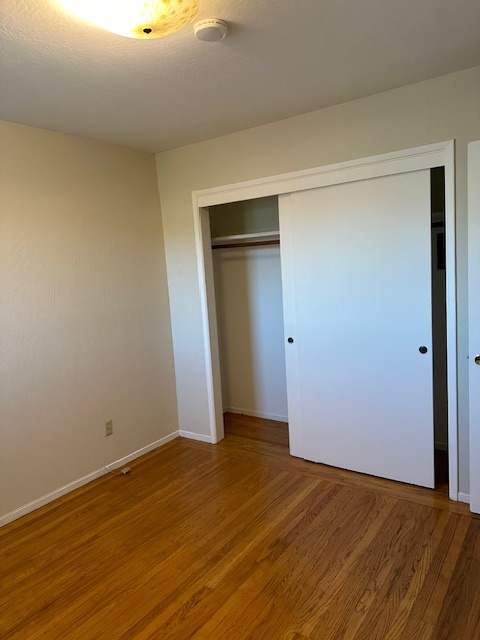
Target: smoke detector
pixel 211 29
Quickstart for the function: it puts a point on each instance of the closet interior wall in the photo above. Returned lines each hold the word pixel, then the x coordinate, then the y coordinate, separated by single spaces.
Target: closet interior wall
pixel 249 305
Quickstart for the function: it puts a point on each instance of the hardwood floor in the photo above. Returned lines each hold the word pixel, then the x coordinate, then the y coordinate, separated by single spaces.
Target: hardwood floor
pixel 241 541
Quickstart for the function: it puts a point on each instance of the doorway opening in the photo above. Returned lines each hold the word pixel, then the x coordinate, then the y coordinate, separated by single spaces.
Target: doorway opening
pixel 439 327
pixel 249 308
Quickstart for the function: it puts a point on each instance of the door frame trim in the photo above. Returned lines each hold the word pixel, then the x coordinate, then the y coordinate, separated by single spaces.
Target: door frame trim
pixel 402 161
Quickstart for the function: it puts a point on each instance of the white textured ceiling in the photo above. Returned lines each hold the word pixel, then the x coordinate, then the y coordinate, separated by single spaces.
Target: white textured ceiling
pixel 281 58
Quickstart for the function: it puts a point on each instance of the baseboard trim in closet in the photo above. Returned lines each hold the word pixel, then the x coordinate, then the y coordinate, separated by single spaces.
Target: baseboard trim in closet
pixel 195 436
pixel 255 414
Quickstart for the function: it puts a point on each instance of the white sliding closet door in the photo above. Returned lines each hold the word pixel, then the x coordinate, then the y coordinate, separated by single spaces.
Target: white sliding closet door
pixel 356 270
pixel 474 318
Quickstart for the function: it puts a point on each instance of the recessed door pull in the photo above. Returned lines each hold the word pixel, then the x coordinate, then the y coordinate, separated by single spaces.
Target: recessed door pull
pixel 290 340
pixel 423 349
pixel 477 359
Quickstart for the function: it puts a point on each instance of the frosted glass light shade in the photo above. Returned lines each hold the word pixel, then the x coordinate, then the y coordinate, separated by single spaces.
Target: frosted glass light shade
pixel 135 18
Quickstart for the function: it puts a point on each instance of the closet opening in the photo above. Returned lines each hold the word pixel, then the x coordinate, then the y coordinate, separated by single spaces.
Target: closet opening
pixel 249 311
pixel 439 327
pixel 250 319
pixel 436 310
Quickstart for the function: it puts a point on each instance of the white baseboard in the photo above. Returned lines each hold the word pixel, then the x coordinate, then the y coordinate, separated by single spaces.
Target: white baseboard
pixel 464 497
pixel 142 451
pixel 76 484
pixel 256 414
pixel 195 436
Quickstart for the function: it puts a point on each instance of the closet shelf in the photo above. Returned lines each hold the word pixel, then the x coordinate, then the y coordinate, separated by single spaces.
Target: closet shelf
pixel 246 239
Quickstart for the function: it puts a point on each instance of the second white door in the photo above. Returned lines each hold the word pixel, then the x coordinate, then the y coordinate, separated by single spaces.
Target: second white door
pixel 356 269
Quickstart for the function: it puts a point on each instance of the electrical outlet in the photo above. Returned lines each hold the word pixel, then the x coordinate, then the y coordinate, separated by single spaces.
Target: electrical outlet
pixel 108 428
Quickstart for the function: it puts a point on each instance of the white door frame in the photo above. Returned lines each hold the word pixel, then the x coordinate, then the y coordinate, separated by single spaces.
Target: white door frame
pixel 425 157
pixel 474 319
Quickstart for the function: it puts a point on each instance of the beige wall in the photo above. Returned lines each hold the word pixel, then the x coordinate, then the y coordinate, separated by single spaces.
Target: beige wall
pixel 439 109
pixel 84 316
pixel 248 293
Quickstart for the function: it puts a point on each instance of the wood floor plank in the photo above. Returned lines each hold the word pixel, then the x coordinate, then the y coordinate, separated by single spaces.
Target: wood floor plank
pixel 427 605
pixel 228 557
pixel 132 530
pixel 240 541
pixel 461 606
pixel 255 574
pixel 156 559
pixel 420 572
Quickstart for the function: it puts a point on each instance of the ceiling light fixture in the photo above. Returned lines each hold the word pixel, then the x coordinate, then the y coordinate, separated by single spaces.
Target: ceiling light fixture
pixel 143 19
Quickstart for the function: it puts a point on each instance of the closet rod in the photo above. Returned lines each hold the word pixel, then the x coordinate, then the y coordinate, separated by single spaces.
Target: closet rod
pixel 232 245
